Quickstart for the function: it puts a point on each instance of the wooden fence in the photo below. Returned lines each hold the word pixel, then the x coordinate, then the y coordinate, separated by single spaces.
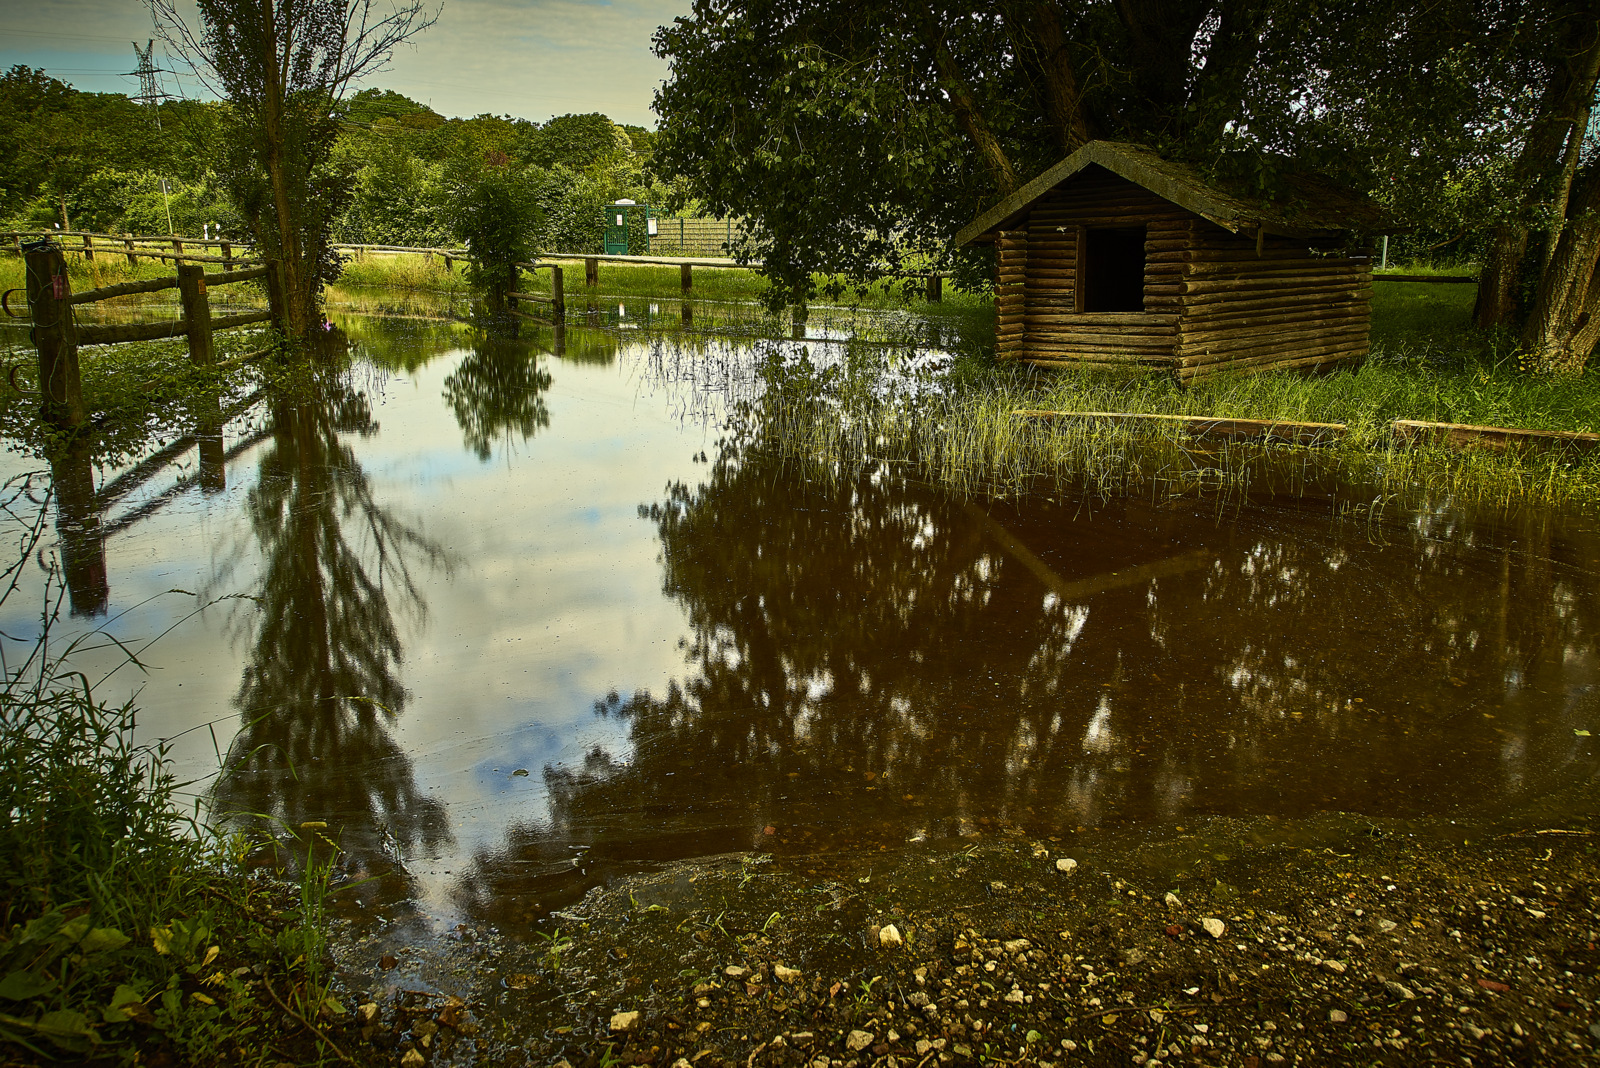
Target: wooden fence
pixel 180 250
pixel 57 337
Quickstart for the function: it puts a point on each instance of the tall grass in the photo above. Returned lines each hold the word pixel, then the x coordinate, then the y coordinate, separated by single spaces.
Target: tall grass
pixel 958 426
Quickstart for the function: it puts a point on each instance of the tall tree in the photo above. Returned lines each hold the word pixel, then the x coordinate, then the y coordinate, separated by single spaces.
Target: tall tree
pixel 284 66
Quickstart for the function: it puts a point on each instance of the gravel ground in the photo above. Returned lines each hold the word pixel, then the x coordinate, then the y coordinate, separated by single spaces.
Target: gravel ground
pixel 1238 943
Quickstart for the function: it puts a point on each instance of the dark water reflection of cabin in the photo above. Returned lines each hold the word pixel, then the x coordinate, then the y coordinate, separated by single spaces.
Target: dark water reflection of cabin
pixel 515 622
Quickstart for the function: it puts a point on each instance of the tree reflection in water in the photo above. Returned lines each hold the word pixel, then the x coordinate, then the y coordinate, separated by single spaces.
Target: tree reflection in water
pixel 496 390
pixel 873 661
pixel 321 689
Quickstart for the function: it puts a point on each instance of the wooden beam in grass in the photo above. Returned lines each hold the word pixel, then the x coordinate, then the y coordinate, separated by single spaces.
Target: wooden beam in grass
pixel 1213 428
pixel 1492 438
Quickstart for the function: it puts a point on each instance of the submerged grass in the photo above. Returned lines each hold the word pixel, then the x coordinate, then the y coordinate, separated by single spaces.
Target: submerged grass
pixel 957 426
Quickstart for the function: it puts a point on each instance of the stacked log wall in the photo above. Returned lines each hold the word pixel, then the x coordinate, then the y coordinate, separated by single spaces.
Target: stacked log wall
pixel 1011 270
pixel 1057 331
pixel 1282 307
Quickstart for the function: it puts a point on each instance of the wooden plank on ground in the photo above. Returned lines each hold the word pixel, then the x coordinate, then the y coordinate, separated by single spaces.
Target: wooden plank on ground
pixel 1493 438
pixel 1213 428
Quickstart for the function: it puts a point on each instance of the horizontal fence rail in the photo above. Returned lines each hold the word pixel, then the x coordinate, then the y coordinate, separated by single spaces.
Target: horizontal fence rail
pixel 56 336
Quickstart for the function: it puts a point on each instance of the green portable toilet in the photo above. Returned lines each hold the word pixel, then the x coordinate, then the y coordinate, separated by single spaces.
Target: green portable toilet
pixel 617 227
pixel 621 218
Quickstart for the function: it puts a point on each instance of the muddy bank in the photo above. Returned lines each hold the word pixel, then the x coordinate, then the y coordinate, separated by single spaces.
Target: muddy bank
pixel 1327 941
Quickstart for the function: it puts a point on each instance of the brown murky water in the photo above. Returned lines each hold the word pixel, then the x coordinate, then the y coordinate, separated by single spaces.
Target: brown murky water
pixel 510 622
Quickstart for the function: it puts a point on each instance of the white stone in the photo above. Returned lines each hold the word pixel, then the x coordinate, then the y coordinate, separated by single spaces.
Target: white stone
pixel 735 971
pixel 1334 966
pixel 1172 899
pixel 1066 864
pixel 413 1059
pixel 625 1021
pixel 889 937
pixel 784 974
pixel 1214 927
pixel 368 1012
pixel 856 1041
pixel 1337 1016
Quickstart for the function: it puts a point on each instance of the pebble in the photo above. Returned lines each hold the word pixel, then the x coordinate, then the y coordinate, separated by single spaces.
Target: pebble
pixel 889 937
pixel 1335 966
pixel 625 1021
pixel 1066 864
pixel 1172 900
pixel 802 1038
pixel 1475 1033
pixel 1337 1016
pixel 786 975
pixel 857 1041
pixel 1214 927
pixel 1399 990
pixel 368 1012
pixel 735 971
pixel 681 1062
pixel 412 1059
pixel 1387 925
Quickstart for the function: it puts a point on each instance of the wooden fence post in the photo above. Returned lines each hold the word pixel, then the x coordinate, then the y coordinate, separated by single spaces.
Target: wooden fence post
pixel 935 288
pixel 127 243
pixel 558 296
pixel 56 338
pixel 88 248
pixel 177 246
pixel 686 278
pixel 227 255
pixel 196 312
pixel 591 271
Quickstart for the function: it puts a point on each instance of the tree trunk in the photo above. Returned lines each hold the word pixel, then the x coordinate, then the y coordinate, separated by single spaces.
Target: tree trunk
pixel 1565 321
pixel 1497 281
pixel 66 223
pixel 1036 33
pixel 1538 170
pixel 968 116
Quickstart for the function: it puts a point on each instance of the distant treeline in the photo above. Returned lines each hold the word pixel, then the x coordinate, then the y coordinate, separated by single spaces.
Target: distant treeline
pixel 96 161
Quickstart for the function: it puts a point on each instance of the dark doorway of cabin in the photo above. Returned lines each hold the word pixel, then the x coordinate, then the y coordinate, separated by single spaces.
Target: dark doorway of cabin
pixel 1113 270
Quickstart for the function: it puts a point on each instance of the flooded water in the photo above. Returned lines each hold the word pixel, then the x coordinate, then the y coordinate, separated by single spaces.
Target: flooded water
pixel 510 622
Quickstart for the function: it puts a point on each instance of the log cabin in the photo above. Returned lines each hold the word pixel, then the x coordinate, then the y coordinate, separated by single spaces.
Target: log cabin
pixel 1118 257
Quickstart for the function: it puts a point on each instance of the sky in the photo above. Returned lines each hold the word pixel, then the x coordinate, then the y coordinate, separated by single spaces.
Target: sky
pixel 528 58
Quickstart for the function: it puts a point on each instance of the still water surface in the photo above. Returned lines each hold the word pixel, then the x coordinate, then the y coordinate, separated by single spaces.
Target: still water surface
pixel 510 622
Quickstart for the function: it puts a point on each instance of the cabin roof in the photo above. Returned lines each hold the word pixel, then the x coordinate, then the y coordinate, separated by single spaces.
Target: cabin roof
pixel 1315 207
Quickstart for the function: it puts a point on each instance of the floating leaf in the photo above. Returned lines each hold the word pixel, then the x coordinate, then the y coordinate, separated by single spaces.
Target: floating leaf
pixel 20 986
pixel 519 773
pixel 103 940
pixel 126 1004
pixel 67 1029
pixel 1580 733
